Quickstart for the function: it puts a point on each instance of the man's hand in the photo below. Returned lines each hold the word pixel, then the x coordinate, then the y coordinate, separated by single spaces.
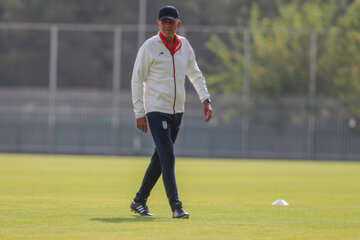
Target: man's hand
pixel 141 124
pixel 207 110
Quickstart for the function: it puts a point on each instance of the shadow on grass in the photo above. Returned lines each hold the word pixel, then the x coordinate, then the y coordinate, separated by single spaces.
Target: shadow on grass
pixel 128 219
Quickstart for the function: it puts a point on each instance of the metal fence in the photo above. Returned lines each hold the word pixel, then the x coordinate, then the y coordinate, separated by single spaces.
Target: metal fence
pixel 55 115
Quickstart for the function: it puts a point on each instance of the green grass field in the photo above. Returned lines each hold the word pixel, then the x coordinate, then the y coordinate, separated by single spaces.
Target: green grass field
pixel 88 197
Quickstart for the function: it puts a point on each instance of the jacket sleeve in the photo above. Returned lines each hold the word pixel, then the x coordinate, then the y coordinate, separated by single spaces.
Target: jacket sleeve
pixel 196 77
pixel 139 75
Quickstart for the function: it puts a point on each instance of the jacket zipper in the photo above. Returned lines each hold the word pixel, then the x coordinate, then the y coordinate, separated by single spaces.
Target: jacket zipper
pixel 174 82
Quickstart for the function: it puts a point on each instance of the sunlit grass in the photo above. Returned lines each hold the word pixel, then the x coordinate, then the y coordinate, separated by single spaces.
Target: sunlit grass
pixel 88 197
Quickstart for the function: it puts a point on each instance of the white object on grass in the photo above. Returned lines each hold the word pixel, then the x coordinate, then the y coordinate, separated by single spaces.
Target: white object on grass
pixel 280 202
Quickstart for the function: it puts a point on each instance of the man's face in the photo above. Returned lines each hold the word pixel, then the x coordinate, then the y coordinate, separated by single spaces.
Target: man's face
pixel 168 26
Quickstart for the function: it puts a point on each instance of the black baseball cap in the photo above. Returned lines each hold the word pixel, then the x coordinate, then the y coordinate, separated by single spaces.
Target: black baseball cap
pixel 168 12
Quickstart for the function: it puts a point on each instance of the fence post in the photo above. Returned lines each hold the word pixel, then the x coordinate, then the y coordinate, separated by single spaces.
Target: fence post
pixel 183 31
pixel 246 95
pixel 52 86
pixel 142 22
pixel 312 95
pixel 116 89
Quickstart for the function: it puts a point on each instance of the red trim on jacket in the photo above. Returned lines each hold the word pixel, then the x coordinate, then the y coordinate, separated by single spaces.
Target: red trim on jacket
pixel 176 46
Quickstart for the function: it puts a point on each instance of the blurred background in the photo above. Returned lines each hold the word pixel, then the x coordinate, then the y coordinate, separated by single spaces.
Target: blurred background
pixel 283 74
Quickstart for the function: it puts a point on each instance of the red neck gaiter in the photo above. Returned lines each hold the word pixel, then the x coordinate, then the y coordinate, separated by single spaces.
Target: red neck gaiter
pixel 176 46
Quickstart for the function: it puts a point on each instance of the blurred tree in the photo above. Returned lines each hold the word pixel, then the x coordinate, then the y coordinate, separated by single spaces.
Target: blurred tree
pixel 212 12
pixel 281 56
pixel 90 65
pixel 65 11
pixel 280 52
pixel 287 75
pixel 18 49
pixel 339 67
pixel 85 59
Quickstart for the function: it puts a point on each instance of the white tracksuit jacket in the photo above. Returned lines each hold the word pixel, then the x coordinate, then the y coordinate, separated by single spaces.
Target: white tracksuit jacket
pixel 158 79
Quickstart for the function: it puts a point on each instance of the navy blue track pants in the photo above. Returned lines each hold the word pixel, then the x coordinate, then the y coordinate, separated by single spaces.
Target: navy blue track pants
pixel 164 129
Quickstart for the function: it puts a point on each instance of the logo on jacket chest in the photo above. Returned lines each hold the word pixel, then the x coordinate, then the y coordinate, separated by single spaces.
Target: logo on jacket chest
pixel 178 52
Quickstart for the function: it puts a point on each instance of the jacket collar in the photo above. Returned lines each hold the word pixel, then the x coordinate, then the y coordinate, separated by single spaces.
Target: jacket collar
pixel 177 43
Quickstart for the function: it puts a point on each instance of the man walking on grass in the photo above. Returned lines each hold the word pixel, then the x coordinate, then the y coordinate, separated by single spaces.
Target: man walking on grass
pixel 158 95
